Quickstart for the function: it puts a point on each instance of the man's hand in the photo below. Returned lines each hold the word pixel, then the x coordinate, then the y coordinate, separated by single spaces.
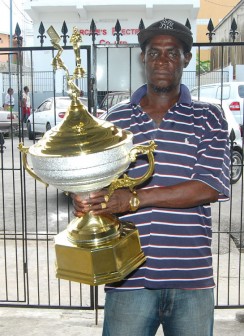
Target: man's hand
pixel 98 202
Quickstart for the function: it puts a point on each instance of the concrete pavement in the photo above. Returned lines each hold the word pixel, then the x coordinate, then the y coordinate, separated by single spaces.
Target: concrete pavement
pixel 40 322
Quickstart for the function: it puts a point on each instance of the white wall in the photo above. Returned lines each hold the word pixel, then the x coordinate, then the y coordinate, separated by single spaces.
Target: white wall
pixel 129 14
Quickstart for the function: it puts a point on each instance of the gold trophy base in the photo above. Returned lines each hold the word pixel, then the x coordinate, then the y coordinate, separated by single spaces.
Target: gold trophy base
pixel 97 265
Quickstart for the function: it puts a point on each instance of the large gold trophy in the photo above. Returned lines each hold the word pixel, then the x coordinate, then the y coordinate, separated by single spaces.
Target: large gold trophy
pixel 81 155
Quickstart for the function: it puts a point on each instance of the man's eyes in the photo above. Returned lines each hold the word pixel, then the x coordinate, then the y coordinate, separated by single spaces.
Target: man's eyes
pixel 173 53
pixel 153 53
pixel 168 53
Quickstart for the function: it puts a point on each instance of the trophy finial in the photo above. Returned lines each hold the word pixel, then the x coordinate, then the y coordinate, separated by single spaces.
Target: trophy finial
pixel 57 63
pixel 76 40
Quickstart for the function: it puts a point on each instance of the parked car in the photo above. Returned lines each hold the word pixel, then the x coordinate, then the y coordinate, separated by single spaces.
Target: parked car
pixel 44 117
pixel 9 122
pixel 236 139
pixel 114 107
pixel 84 101
pixel 113 98
pixel 232 93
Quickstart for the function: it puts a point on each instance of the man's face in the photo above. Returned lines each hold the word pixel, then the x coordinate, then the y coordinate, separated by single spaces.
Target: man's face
pixel 164 60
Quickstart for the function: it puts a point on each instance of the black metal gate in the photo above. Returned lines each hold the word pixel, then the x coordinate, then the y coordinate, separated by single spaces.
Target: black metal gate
pixel 31 214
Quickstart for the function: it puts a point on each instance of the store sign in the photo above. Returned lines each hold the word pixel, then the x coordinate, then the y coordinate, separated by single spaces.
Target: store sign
pixel 104 34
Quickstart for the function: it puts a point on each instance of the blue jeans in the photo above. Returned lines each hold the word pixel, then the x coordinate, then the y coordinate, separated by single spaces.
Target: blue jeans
pixel 140 312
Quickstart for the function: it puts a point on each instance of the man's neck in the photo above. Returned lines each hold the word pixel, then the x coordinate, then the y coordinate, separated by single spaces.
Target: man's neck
pixel 156 103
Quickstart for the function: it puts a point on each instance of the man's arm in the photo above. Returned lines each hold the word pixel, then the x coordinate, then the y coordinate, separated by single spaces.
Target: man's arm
pixel 183 195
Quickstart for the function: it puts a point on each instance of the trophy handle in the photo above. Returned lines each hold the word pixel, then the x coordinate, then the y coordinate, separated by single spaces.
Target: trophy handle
pixel 25 150
pixel 129 182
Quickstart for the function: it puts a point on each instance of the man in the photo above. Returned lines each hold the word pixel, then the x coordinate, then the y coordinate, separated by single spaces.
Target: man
pixel 25 103
pixel 174 287
pixel 9 100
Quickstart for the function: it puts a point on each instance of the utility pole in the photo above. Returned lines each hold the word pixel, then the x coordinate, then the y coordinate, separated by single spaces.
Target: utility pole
pixel 10 28
pixel 11 23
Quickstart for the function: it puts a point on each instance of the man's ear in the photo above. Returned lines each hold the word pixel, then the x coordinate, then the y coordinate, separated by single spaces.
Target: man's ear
pixel 142 57
pixel 188 57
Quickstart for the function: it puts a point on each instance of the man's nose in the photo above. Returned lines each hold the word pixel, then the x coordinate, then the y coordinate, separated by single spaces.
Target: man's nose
pixel 163 57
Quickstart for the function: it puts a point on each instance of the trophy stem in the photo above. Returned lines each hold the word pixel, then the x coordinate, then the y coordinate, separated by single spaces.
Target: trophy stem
pixel 90 230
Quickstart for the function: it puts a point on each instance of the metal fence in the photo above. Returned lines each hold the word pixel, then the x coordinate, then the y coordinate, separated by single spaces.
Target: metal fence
pixel 31 215
pixel 41 81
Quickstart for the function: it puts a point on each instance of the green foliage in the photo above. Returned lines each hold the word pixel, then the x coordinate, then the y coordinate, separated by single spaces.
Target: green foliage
pixel 202 66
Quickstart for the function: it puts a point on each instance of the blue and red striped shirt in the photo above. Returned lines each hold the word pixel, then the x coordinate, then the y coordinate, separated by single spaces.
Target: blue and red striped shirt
pixel 192 144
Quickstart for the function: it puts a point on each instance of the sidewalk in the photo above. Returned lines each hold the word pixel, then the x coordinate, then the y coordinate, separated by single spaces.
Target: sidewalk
pixel 40 322
pixel 58 322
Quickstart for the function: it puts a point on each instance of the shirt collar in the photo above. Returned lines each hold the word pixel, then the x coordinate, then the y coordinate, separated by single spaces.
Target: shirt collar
pixel 185 96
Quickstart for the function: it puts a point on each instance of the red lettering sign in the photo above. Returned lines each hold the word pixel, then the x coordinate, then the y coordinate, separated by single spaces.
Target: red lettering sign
pixel 127 31
pixel 98 31
pixel 108 42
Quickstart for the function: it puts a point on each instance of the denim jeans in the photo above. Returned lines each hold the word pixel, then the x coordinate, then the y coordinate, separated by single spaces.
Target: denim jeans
pixel 140 312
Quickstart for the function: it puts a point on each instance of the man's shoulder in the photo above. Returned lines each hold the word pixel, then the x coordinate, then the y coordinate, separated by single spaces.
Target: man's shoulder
pixel 207 106
pixel 210 111
pixel 120 111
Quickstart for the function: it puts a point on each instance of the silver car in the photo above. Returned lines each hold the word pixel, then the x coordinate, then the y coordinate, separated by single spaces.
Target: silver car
pixel 9 122
pixel 47 115
pixel 230 93
pixel 236 140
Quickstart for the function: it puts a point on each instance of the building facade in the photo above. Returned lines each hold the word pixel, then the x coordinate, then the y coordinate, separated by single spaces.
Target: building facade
pixel 214 10
pixel 233 56
pixel 128 13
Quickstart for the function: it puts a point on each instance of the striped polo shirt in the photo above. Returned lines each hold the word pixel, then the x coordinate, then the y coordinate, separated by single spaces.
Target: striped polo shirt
pixel 192 144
